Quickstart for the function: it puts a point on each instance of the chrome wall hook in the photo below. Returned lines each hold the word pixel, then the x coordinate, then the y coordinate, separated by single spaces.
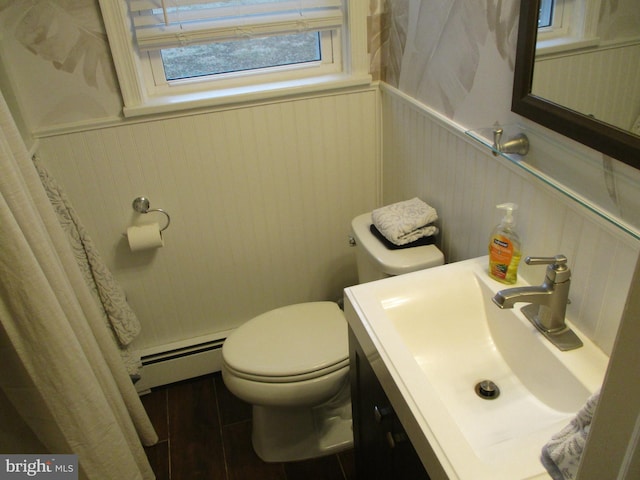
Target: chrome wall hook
pixel 142 204
pixel 518 144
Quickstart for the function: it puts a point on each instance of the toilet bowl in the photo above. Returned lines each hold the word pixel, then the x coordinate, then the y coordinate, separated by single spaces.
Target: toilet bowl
pixel 292 363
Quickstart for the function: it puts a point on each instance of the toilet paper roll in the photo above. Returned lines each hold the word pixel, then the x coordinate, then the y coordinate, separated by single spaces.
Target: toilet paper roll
pixel 144 237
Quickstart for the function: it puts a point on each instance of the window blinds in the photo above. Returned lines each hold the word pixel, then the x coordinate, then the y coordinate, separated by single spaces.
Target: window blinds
pixel 175 23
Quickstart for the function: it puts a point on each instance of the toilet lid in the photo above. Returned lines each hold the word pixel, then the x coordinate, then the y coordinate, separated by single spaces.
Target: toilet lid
pixel 289 341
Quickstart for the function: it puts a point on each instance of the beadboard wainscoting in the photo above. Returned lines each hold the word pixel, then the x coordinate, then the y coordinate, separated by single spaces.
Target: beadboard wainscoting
pixel 424 155
pixel 613 70
pixel 261 200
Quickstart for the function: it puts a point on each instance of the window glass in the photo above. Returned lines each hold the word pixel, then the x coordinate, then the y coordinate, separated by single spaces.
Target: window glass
pixel 240 55
pixel 545 16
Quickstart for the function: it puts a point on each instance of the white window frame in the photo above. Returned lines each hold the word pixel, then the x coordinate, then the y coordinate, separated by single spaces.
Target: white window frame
pixel 574 27
pixel 560 21
pixel 142 95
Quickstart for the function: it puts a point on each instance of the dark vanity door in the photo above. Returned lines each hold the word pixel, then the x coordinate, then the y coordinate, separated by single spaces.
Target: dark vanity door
pixel 382 448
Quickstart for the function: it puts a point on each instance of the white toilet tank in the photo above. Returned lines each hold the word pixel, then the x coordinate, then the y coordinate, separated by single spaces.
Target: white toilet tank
pixel 375 261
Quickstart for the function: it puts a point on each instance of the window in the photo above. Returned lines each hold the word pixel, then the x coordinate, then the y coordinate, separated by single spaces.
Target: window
pixel 554 18
pixel 173 54
pixel 545 16
pixel 201 40
pixel 566 25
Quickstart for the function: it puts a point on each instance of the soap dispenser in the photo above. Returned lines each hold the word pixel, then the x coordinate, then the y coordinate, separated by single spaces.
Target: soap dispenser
pixel 504 248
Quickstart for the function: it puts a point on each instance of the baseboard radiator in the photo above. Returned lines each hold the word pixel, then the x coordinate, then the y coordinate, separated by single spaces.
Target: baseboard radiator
pixel 178 362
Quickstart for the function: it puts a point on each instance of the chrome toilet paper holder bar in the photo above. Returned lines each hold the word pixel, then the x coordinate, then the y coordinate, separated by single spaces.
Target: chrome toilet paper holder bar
pixel 142 204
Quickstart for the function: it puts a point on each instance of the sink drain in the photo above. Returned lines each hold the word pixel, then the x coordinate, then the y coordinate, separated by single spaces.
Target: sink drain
pixel 487 389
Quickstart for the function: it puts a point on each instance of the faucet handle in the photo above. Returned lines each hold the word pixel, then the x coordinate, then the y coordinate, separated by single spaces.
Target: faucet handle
pixel 557 266
pixel 557 261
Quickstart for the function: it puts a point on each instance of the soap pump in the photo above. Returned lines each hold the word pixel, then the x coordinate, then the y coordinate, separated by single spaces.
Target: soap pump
pixel 504 247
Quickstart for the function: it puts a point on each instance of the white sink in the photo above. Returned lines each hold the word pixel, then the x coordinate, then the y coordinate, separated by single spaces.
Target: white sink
pixel 439 335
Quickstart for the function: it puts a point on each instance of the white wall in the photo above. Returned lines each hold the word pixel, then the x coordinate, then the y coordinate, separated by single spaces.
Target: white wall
pixel 427 156
pixel 260 198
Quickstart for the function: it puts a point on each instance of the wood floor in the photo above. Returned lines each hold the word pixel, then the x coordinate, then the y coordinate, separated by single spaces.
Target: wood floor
pixel 205 433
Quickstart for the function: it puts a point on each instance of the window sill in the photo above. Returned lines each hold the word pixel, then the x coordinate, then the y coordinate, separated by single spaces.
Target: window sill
pixel 246 94
pixel 554 46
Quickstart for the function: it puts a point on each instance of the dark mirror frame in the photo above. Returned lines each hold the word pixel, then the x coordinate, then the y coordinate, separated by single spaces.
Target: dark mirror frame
pixel 601 136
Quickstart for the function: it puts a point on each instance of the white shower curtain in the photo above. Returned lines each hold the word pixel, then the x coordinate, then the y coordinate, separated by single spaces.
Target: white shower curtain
pixel 58 364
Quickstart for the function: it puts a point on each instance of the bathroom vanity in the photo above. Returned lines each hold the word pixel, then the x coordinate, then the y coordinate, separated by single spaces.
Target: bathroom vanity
pixel 383 449
pixel 423 348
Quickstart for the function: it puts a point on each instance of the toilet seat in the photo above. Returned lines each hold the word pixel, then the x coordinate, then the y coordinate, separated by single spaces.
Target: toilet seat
pixel 289 344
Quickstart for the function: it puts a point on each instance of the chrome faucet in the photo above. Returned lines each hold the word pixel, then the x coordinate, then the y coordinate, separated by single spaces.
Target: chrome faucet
pixel 548 302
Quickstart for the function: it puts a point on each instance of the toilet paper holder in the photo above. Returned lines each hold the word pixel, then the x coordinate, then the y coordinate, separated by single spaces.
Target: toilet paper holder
pixel 142 204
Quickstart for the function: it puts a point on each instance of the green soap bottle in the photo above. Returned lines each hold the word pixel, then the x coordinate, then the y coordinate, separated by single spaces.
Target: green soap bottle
pixel 504 248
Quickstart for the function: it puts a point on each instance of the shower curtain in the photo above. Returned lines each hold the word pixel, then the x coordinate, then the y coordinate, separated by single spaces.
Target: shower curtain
pixel 59 367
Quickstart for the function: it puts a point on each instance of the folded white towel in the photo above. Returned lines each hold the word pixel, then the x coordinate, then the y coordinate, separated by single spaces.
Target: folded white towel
pixel 561 455
pixel 405 222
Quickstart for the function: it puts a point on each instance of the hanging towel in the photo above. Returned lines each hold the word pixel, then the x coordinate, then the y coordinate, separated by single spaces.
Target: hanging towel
pixel 119 317
pixel 561 455
pixel 406 221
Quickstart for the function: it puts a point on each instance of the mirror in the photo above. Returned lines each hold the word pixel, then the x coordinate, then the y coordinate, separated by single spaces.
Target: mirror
pixel 599 135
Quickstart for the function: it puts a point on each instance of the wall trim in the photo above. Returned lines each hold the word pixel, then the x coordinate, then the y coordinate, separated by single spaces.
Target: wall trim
pixel 118 121
pixel 440 119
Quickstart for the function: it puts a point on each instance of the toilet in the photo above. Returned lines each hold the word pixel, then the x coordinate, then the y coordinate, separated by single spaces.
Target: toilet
pixel 292 363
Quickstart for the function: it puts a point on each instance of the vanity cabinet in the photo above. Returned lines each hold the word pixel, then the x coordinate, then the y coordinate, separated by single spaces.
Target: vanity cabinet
pixel 382 448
